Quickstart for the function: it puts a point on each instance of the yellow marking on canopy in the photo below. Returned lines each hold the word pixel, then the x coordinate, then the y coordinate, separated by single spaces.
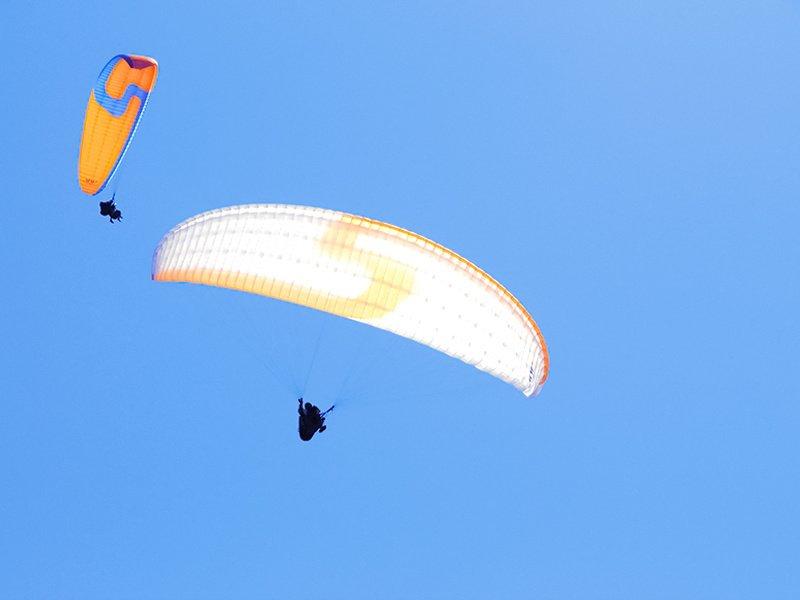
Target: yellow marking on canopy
pixel 390 281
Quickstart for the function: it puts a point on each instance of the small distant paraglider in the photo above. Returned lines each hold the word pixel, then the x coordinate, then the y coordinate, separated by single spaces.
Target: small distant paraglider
pixel 116 104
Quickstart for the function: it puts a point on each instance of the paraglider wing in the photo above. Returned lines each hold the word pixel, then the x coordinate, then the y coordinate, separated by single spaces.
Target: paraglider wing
pixel 364 270
pixel 116 104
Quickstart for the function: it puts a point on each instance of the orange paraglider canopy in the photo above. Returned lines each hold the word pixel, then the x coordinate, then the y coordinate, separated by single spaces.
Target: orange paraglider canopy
pixel 116 104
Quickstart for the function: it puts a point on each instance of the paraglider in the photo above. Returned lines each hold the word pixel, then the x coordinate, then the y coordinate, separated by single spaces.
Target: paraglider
pixel 364 270
pixel 110 210
pixel 311 420
pixel 116 104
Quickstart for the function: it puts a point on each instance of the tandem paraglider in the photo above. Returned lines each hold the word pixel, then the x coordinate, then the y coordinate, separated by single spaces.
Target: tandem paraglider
pixel 110 210
pixel 116 104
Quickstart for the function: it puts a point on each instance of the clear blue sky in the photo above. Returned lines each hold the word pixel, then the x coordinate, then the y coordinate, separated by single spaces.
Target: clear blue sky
pixel 628 169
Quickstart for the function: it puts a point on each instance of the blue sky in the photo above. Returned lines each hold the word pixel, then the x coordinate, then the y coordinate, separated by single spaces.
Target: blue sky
pixel 629 170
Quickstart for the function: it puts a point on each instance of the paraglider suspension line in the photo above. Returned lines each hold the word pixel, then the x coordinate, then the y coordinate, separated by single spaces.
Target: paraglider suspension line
pixel 313 358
